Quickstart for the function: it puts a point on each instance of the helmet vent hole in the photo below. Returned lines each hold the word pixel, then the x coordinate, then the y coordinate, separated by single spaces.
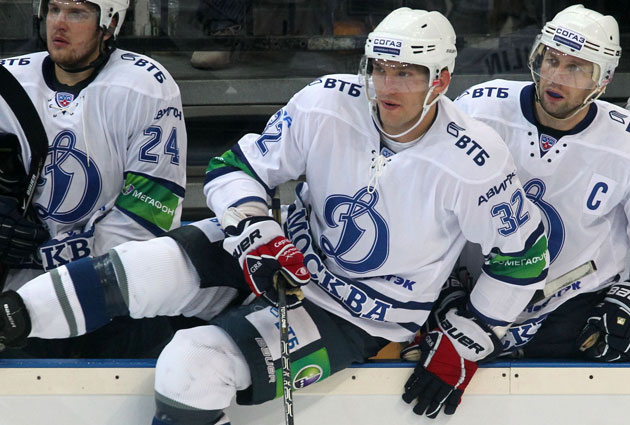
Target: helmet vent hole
pixel 423 49
pixel 424 26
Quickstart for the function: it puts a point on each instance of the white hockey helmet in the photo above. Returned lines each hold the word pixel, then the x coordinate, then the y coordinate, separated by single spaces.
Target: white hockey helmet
pixel 414 36
pixel 585 34
pixel 108 9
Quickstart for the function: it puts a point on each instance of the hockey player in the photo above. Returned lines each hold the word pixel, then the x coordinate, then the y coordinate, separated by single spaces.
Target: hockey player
pixel 397 179
pixel 117 143
pixel 572 152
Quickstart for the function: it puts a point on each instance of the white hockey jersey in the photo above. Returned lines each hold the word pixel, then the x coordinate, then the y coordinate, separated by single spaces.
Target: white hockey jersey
pixel 116 167
pixel 580 180
pixel 381 231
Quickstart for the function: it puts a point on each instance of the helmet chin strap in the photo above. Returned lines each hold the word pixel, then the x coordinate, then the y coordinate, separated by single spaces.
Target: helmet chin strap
pixel 425 110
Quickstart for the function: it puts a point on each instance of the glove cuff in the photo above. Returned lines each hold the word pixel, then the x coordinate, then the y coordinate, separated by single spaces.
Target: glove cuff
pixel 249 234
pixel 472 338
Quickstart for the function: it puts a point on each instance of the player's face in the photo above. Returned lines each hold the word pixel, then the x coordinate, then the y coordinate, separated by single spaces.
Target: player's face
pixel 400 91
pixel 72 34
pixel 565 81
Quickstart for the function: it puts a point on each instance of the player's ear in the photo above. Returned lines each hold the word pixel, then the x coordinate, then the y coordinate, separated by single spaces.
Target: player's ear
pixel 441 83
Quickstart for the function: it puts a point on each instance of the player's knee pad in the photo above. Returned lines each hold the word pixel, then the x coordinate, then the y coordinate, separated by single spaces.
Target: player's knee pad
pixel 166 414
pixel 201 368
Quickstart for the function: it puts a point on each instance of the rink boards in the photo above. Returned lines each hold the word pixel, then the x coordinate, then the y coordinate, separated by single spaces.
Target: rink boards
pixel 113 392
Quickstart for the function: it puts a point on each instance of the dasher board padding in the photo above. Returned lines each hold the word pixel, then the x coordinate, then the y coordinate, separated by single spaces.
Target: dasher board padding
pixel 112 392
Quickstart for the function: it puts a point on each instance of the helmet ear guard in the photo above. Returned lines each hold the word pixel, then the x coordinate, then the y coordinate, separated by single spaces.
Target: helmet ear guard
pixel 108 9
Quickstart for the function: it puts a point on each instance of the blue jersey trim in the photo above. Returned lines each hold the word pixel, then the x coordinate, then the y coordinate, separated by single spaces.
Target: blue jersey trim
pixel 230 169
pixel 241 156
pixel 486 319
pixel 170 185
pixel 411 326
pixel 514 280
pixel 370 364
pixel 249 199
pixel 156 230
pixel 531 240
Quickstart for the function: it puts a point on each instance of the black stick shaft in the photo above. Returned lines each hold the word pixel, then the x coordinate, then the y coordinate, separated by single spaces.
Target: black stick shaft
pixel 285 359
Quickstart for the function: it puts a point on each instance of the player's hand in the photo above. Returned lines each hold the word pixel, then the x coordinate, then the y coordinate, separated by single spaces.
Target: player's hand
pixel 440 377
pixel 263 252
pixel 606 336
pixel 19 237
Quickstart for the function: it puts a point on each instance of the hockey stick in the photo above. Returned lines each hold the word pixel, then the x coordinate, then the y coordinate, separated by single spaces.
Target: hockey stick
pixel 16 97
pixel 280 282
pixel 564 281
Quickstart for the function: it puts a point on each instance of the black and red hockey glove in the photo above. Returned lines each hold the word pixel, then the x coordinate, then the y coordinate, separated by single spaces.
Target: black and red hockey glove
pixel 263 251
pixel 447 357
pixel 440 377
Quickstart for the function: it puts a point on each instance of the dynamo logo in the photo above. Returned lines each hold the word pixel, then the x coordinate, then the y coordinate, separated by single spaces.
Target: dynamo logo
pixel 63 99
pixel 307 375
pixel 363 239
pixel 389 46
pixel 569 38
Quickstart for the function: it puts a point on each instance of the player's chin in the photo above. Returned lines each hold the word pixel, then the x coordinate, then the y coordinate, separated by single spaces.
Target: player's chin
pixel 67 62
pixel 390 125
pixel 558 113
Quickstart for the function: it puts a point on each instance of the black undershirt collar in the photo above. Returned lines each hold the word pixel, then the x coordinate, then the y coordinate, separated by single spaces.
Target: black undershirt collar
pixel 48 71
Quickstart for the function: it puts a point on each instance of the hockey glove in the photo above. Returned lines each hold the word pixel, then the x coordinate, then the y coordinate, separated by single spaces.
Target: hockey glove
pixel 15 322
pixel 263 251
pixel 12 173
pixel 452 295
pixel 19 237
pixel 440 377
pixel 447 357
pixel 606 336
